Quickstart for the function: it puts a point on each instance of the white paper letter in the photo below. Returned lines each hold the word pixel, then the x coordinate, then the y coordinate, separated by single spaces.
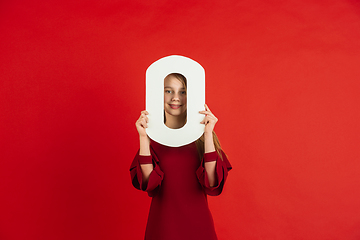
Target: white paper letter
pixel 195 75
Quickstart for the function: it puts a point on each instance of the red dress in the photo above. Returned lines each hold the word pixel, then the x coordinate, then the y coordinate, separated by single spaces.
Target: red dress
pixel 179 187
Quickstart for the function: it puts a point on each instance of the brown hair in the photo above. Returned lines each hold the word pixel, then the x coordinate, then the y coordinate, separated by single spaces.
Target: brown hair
pixel 200 143
pixel 179 77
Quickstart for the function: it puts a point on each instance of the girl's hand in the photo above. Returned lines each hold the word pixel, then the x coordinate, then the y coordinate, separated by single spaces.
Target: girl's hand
pixel 210 120
pixel 141 123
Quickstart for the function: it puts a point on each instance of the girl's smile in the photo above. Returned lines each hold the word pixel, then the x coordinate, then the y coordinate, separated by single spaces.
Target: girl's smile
pixel 174 106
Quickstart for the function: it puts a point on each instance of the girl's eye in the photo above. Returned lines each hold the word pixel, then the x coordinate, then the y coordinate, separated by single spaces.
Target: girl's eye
pixel 167 91
pixel 183 92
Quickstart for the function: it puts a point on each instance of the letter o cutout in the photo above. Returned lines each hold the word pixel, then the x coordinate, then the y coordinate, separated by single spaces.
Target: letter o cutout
pixel 195 75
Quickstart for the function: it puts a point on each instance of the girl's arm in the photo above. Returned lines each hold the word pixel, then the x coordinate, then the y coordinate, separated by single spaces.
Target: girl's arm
pixel 146 169
pixel 141 125
pixel 209 121
pixel 210 166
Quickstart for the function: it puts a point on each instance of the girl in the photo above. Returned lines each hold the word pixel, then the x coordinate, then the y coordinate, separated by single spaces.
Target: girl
pixel 179 178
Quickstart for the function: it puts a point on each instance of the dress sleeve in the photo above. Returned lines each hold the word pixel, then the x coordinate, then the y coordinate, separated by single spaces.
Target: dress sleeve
pixel 222 168
pixel 155 178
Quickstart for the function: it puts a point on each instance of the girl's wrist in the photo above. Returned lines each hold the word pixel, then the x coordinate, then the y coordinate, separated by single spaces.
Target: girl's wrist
pixel 144 146
pixel 208 142
pixel 144 138
pixel 208 134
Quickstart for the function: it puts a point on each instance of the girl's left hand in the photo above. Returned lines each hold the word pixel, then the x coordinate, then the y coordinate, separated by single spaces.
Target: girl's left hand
pixel 209 120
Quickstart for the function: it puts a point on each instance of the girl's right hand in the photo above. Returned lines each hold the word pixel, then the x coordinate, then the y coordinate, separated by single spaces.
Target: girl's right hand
pixel 141 123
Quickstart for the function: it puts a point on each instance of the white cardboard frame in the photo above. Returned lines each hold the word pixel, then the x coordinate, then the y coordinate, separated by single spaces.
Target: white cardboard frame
pixel 195 75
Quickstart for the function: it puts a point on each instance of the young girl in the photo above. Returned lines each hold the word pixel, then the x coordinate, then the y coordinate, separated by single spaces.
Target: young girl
pixel 179 178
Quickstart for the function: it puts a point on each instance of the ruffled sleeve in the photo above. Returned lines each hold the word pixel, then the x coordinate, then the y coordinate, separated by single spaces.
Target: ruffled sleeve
pixel 221 172
pixel 155 178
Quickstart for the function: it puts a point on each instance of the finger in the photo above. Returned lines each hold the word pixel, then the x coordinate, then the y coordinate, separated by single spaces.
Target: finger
pixel 207 113
pixel 212 119
pixel 212 115
pixel 207 107
pixel 143 123
pixel 204 112
pixel 138 123
pixel 143 116
pixel 205 120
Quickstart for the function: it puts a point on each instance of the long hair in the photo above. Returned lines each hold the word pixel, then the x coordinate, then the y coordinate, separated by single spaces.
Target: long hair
pixel 200 143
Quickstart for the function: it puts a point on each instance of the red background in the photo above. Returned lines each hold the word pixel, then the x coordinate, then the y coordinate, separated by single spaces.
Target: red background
pixel 281 76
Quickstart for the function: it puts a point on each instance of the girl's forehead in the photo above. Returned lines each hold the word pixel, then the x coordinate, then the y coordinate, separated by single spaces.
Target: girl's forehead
pixel 173 82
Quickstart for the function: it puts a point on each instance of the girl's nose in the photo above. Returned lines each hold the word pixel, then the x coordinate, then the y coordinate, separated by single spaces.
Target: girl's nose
pixel 176 97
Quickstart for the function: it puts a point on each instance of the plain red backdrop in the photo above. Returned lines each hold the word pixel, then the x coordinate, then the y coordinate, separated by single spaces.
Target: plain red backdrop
pixel 281 76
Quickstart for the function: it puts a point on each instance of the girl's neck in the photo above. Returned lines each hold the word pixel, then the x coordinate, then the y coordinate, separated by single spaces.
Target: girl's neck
pixel 175 122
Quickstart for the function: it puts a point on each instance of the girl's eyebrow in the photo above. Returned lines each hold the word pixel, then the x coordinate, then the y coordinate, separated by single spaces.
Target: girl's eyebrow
pixel 172 88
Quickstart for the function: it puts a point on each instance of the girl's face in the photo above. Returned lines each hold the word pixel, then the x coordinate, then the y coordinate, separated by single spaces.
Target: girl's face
pixel 174 96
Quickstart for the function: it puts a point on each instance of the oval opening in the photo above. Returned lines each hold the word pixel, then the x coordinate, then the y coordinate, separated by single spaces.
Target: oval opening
pixel 175 101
